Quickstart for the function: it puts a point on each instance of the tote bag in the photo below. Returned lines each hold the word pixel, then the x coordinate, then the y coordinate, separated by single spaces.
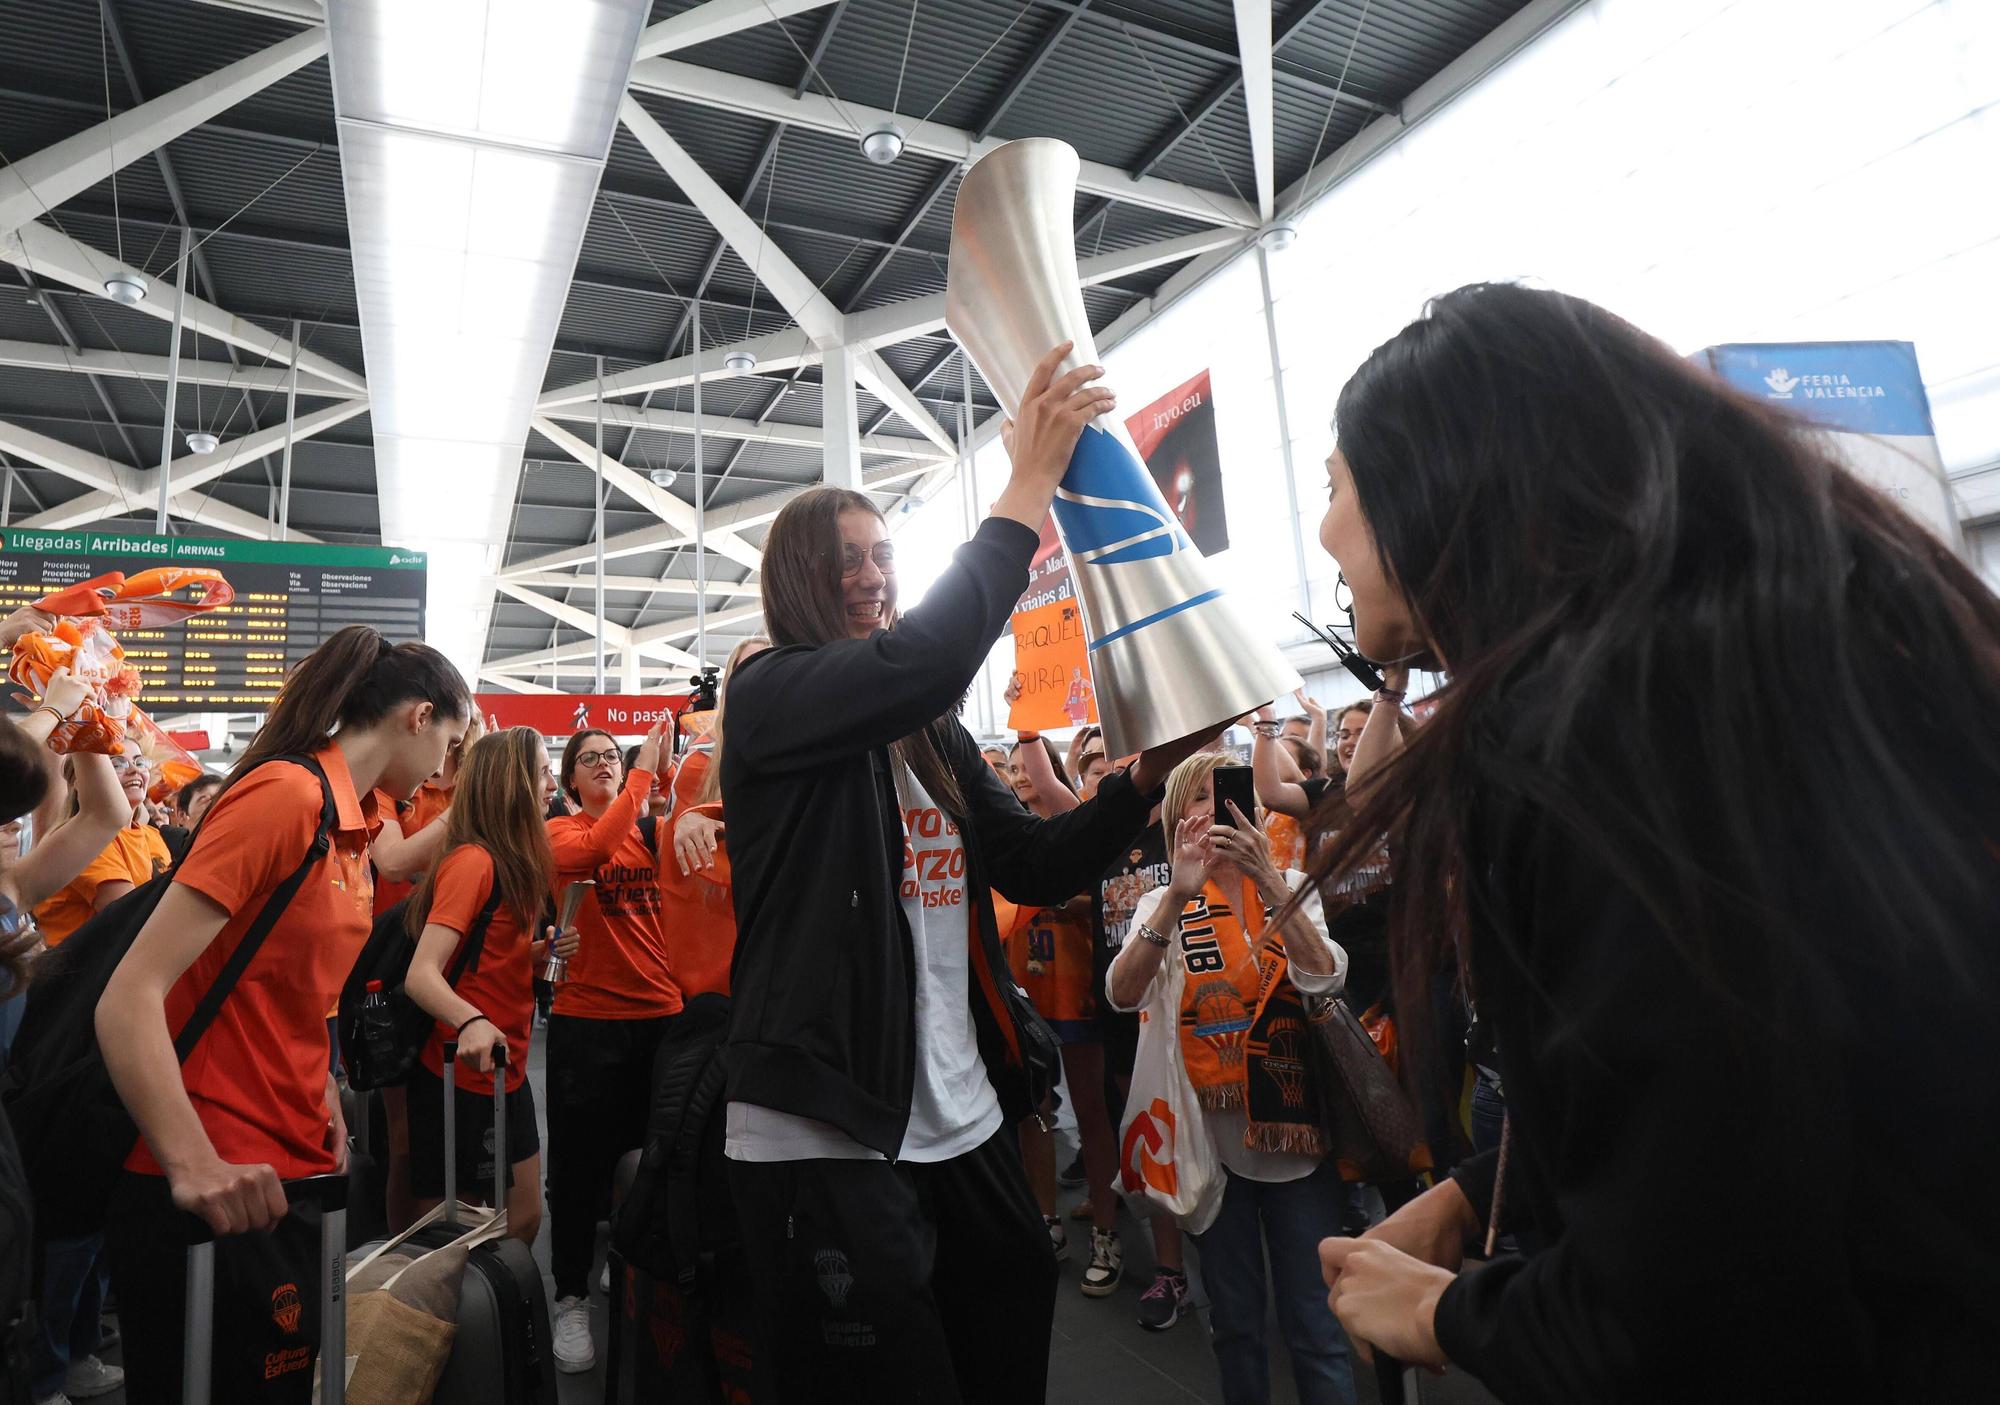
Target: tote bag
pixel 1166 1159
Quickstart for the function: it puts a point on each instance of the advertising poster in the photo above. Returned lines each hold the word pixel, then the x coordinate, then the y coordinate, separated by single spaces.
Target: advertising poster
pixel 1175 435
pixel 1869 397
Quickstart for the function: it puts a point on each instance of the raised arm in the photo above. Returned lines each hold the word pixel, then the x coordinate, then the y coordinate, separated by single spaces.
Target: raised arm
pixel 402 857
pixel 1272 768
pixel 794 707
pixel 580 847
pixel 1035 761
pixel 63 852
pixel 1382 733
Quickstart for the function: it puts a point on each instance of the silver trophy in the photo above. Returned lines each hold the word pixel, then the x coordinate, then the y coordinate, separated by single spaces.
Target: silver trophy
pixel 1169 653
pixel 555 969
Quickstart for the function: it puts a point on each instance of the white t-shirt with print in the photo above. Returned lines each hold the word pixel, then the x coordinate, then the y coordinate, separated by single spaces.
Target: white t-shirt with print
pixel 953 1107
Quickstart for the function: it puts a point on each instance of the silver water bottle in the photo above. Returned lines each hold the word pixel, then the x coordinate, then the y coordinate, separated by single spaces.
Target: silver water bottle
pixel 555 970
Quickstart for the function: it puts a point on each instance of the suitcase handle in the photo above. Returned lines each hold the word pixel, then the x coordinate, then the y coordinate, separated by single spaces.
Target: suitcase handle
pixel 451 1130
pixel 329 1193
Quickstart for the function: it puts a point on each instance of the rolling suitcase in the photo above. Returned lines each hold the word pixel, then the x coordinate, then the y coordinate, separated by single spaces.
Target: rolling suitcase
pixel 501 1354
pixel 197 1376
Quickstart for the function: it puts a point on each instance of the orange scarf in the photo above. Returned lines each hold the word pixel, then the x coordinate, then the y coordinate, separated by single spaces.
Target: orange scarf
pixel 1223 988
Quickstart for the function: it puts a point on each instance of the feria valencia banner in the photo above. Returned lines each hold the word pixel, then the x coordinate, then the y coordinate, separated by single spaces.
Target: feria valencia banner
pixel 1175 435
pixel 559 714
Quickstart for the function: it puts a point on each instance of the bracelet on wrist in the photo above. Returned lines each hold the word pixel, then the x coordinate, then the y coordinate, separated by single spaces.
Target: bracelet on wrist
pixel 1148 932
pixel 1389 694
pixel 1267 729
pixel 472 1021
pixel 52 710
pixel 1027 736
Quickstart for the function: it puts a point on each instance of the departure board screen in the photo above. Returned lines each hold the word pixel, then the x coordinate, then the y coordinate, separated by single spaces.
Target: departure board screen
pixel 289 597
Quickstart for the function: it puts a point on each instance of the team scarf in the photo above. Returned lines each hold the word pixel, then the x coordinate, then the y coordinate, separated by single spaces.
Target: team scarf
pixel 1242 1026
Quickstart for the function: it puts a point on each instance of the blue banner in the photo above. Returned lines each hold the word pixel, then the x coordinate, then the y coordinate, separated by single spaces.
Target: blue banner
pixel 1863 387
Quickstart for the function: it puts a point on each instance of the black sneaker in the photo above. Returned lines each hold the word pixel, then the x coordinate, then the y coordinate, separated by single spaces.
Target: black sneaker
pixel 1161 1305
pixel 1107 1265
pixel 1072 1175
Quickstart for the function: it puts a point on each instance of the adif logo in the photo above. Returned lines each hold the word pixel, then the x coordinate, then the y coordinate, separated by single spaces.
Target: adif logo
pixel 835 1279
pixel 396 558
pixel 285 1308
pixel 1781 382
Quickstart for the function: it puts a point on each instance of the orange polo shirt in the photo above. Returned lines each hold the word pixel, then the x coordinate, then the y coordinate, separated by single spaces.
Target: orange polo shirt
pixel 698 916
pixel 257 1079
pixel 430 801
pixel 621 970
pixel 501 986
pixel 135 854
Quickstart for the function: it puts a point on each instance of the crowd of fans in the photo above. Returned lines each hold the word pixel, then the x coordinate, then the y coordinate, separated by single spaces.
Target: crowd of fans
pixel 1587 965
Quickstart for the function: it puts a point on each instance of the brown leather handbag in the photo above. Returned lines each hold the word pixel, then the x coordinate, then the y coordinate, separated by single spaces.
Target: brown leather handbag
pixel 1372 1129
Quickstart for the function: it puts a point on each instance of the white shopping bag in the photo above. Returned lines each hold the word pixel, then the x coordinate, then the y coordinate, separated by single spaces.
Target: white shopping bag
pixel 1166 1160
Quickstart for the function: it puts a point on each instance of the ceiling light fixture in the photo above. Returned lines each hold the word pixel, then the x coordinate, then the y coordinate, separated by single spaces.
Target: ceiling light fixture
pixel 664 477
pixel 883 142
pixel 202 442
pixel 1278 236
pixel 739 363
pixel 126 287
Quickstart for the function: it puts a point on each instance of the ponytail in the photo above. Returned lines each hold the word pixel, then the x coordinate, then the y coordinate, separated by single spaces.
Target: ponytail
pixel 352 680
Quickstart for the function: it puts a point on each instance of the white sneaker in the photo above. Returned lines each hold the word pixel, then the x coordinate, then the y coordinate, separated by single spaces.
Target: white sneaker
pixel 57 1399
pixel 604 1279
pixel 575 1351
pixel 90 1377
pixel 1107 1265
pixel 1058 1236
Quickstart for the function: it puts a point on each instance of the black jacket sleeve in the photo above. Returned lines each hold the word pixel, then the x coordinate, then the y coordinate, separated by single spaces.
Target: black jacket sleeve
pixel 1690 1159
pixel 1038 861
pixel 796 708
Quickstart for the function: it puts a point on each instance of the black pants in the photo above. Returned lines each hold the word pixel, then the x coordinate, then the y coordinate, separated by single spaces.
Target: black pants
pixel 266 1300
pixel 893 1283
pixel 600 1087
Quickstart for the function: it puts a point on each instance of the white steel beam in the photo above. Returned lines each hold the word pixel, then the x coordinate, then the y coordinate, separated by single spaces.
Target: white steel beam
pixel 772 102
pixel 1253 48
pixel 52 254
pixel 637 585
pixel 877 327
pixel 769 264
pixel 840 466
pixel 885 385
pixel 515 685
pixel 77 465
pixel 796 436
pixel 642 490
pixel 201 510
pixel 43 356
pixel 716 20
pixel 191 471
pixel 37 184
pixel 298 11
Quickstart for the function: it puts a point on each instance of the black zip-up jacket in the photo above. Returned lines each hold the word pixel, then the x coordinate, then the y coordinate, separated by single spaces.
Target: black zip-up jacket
pixel 823 985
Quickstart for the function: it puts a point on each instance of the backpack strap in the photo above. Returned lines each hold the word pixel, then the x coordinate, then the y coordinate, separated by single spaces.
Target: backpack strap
pixel 683 1196
pixel 475 940
pixel 274 907
pixel 649 830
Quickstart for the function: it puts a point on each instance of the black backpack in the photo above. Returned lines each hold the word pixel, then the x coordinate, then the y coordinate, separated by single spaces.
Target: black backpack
pixel 678 1220
pixel 74 1133
pixel 379 1046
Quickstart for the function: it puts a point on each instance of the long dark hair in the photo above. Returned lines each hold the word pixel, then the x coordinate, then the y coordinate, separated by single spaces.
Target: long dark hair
pixel 496 803
pixel 802 605
pixel 1683 641
pixel 356 678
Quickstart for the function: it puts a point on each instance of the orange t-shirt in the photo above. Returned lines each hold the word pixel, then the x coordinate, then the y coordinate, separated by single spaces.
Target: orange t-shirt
pixel 135 854
pixel 500 983
pixel 1048 951
pixel 620 970
pixel 257 1079
pixel 698 915
pixel 687 784
pixel 430 801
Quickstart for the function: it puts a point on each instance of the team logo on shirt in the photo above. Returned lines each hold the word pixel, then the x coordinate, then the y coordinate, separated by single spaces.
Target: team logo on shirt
pixel 836 1280
pixel 285 1308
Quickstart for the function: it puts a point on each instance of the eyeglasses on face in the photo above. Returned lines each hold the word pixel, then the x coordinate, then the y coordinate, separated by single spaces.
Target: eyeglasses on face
pixel 851 557
pixel 608 757
pixel 1343 599
pixel 128 763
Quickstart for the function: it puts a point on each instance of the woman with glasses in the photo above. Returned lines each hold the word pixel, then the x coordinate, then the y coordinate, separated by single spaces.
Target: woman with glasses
pixel 610 1011
pixel 135 854
pixel 878 1046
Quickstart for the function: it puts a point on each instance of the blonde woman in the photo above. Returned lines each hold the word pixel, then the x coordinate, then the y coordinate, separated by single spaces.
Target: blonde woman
pixel 1245 978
